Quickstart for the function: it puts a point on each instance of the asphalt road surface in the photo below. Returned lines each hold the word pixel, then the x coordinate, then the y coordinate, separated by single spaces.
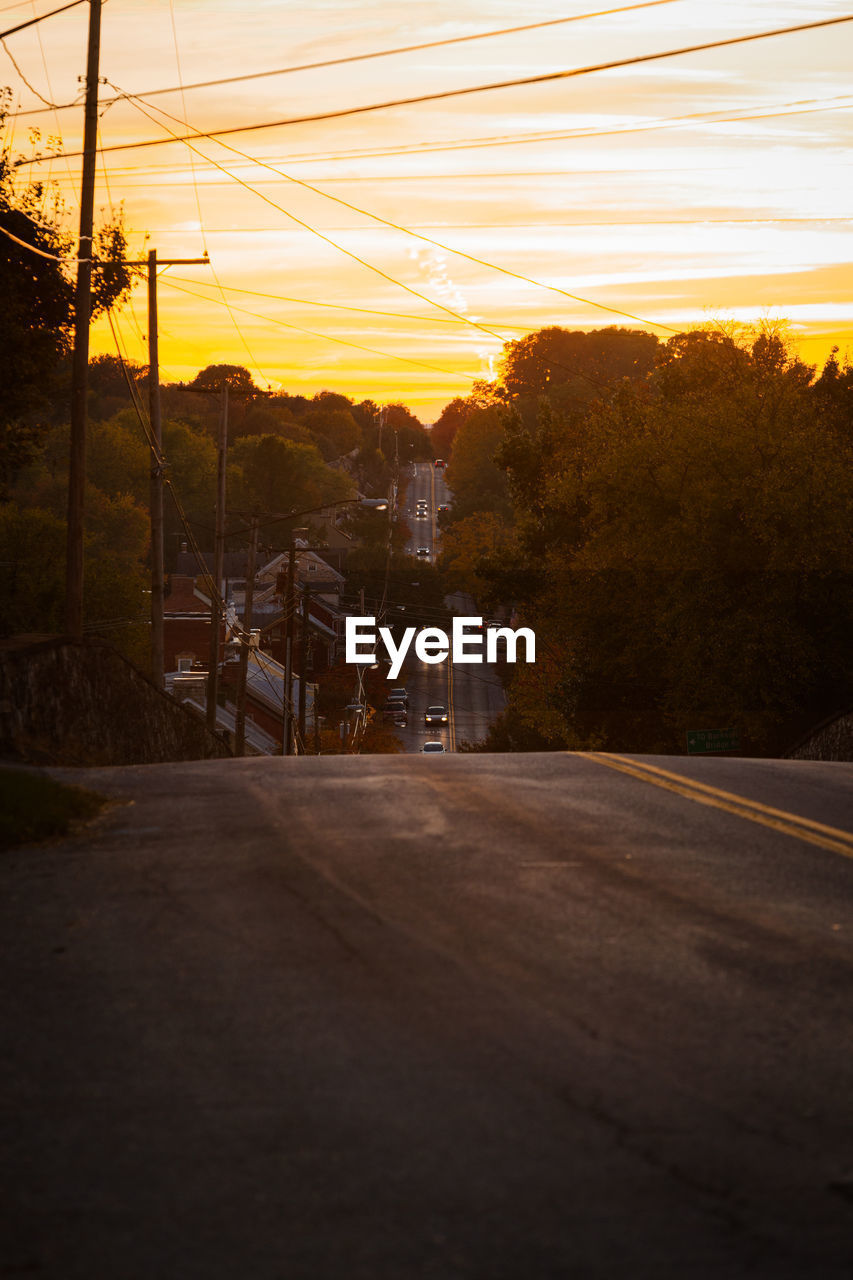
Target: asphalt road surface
pixel 472 692
pixel 491 1017
pixel 426 484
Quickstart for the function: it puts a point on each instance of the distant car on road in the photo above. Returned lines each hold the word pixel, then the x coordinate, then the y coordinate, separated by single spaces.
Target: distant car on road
pixel 435 715
pixel 433 749
pixel 423 551
pixel 444 506
pixel 421 515
pixel 440 464
pixel 399 694
pixel 395 710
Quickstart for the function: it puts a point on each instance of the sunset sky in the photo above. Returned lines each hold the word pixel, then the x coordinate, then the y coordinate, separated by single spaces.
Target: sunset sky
pixel 740 212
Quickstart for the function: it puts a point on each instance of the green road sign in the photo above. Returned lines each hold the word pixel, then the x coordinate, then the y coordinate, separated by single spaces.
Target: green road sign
pixel 703 741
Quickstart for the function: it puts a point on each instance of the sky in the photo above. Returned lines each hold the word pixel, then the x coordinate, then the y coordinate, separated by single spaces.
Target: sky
pixel 705 188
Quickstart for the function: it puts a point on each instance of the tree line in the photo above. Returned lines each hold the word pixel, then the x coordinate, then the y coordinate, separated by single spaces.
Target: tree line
pixel 674 520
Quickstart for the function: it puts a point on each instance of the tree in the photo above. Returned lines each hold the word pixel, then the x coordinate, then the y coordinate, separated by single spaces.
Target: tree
pixel 451 418
pixel 336 425
pixel 573 366
pixel 214 376
pixel 466 543
pixel 273 474
pixel 478 484
pixel 37 316
pixel 689 551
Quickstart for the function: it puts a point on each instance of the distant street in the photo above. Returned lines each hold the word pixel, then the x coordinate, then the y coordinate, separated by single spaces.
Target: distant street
pixel 472 692
pixel 499 1017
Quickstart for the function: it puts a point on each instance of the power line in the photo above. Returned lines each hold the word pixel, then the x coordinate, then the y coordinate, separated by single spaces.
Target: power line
pixel 339 306
pixel 31 22
pixel 239 331
pixel 380 53
pixel 327 239
pixel 799 107
pixel 586 377
pixel 470 377
pixel 396 226
pixel 445 94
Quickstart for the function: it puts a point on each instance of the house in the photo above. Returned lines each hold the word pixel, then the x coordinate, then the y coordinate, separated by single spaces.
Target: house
pixel 265 688
pixel 324 586
pixel 186 624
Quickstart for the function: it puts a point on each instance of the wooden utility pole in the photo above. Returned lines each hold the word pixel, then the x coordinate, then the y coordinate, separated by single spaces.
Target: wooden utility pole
pixel 287 720
pixel 156 477
pixel 240 726
pixel 157 461
pixel 303 665
pixel 218 563
pixel 82 312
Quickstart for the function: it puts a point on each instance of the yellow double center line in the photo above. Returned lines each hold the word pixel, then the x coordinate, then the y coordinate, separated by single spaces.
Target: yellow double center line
pixel 790 824
pixel 451 710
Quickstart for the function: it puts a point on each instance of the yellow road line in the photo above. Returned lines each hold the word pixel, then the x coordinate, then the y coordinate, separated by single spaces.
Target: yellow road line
pixel 451 710
pixel 432 504
pixel 731 795
pixel 777 819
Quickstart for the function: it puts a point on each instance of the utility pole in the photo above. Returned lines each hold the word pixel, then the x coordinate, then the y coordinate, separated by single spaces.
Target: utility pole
pixel 303 666
pixel 287 722
pixel 157 461
pixel 240 727
pixel 82 312
pixel 157 659
pixel 218 562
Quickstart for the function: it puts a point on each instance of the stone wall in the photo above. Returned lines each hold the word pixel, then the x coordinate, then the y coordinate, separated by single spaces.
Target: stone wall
pixel 69 703
pixel 831 740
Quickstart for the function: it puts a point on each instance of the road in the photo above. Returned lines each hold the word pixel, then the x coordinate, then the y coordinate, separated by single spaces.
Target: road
pixel 426 484
pixel 492 1017
pixel 473 693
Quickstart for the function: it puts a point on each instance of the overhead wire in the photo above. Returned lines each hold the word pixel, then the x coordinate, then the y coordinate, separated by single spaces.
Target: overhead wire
pixel 31 22
pixel 54 107
pixel 387 53
pixel 327 239
pixel 446 94
pixel 583 374
pixel 326 336
pixel 438 244
pixel 50 105
pixel 768 111
pixel 239 331
pixel 338 306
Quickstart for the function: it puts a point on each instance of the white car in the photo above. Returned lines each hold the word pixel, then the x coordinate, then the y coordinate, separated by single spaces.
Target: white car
pixel 433 749
pixel 423 551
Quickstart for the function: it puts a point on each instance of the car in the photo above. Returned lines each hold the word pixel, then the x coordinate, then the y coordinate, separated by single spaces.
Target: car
pixel 421 515
pixel 435 715
pixel 433 749
pixel 444 506
pixel 394 709
pixel 399 694
pixel 423 551
pixel 439 464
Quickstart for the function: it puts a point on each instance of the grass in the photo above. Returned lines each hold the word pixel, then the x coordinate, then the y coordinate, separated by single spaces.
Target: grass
pixel 34 807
